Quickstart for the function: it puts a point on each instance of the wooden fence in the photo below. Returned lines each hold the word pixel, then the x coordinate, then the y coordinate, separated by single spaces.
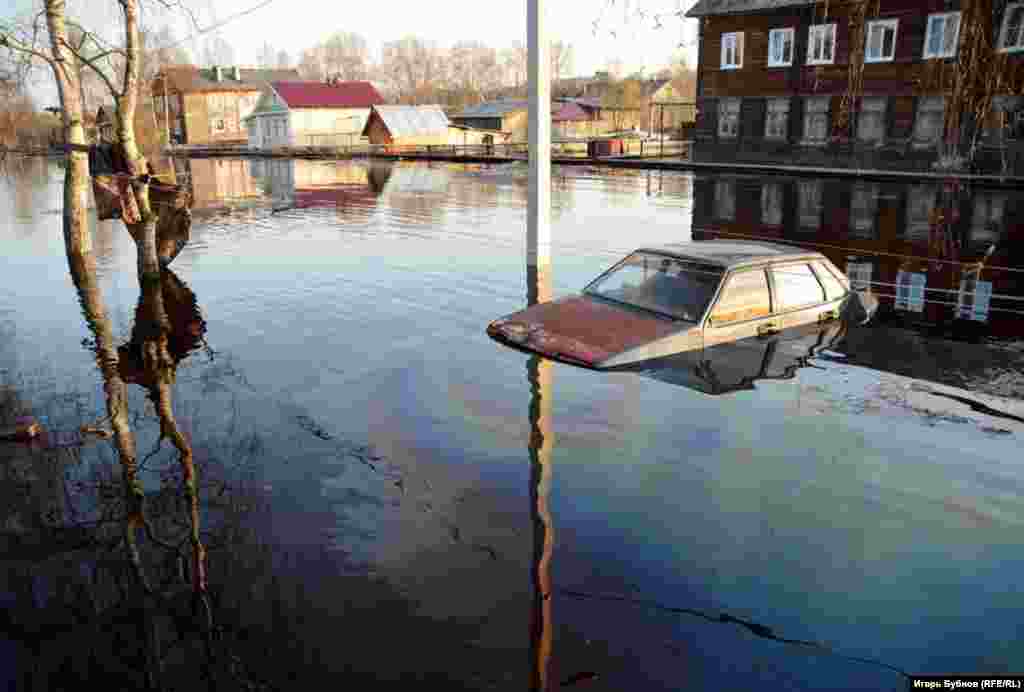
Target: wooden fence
pixel 575 149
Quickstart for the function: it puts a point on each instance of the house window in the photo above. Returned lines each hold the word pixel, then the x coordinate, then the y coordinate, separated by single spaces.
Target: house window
pixel 987 218
pixel 821 44
pixel 910 291
pixel 880 43
pixel 809 194
pixel 920 203
pixel 776 125
pixel 816 120
pixel 863 210
pixel 780 47
pixel 771 204
pixel 928 123
pixel 941 36
pixel 871 120
pixel 728 117
pixel 859 272
pixel 1011 37
pixel 725 200
pixel 732 51
pixel 972 302
pixel 218 125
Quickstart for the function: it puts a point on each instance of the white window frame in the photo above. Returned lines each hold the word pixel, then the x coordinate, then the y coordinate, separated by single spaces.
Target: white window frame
pixel 725 107
pixel 863 124
pixel 725 199
pixel 735 38
pixel 772 204
pixel 859 272
pixel 945 23
pixel 791 33
pixel 818 29
pixel 910 288
pixel 973 299
pixel 772 107
pixel 881 25
pixel 1002 32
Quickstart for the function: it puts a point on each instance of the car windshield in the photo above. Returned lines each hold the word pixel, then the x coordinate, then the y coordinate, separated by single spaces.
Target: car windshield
pixel 673 287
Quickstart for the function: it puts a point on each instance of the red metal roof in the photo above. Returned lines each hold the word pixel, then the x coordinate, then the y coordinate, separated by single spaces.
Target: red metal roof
pixel 324 95
pixel 569 112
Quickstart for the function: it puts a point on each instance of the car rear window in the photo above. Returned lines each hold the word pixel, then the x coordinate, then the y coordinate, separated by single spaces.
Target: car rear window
pixel 745 297
pixel 796 286
pixel 666 285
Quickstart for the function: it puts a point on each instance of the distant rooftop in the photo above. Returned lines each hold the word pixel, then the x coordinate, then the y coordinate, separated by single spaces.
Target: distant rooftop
pixel 193 79
pixel 411 121
pixel 310 94
pixel 706 8
pixel 493 109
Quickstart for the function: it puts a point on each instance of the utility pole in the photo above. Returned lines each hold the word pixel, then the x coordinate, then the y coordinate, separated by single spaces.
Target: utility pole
pixel 538 229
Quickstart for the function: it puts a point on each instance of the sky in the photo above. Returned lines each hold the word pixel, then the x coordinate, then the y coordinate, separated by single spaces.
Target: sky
pixel 294 25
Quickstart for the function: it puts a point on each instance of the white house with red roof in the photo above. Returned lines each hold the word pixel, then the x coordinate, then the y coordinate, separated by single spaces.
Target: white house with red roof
pixel 331 113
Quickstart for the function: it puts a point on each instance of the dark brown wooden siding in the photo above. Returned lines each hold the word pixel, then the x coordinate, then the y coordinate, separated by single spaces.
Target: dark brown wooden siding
pixel 905 74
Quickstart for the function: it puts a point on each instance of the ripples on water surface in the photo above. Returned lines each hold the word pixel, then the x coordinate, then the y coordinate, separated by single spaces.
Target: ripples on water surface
pixel 345 310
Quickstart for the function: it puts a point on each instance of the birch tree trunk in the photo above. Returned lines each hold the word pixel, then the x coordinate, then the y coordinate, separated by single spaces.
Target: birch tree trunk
pixel 76 183
pixel 143 232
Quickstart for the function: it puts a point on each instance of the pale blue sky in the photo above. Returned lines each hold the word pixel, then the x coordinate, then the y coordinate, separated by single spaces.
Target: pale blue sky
pixel 293 25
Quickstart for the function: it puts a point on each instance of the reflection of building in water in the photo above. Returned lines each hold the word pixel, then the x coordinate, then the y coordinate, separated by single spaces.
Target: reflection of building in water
pixel 916 247
pixel 353 187
pixel 219 182
pixel 418 193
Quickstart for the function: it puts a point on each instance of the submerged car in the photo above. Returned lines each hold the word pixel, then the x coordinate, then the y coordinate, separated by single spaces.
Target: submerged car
pixel 680 298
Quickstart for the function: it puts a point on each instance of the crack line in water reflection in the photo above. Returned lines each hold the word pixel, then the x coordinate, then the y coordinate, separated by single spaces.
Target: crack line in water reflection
pixel 757 629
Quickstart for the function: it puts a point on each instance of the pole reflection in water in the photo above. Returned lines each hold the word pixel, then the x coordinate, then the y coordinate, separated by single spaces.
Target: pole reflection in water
pixel 541 442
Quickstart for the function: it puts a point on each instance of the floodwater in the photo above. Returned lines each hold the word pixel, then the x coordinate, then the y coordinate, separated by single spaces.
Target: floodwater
pixel 424 505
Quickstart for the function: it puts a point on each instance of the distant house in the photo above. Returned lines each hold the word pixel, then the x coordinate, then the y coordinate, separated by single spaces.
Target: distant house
pixel 773 77
pixel 569 121
pixel 665 106
pixel 420 125
pixel 505 115
pixel 208 105
pixel 407 125
pixel 308 113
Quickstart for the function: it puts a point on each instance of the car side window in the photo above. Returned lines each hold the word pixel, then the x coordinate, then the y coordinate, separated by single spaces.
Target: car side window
pixel 745 297
pixel 833 288
pixel 796 286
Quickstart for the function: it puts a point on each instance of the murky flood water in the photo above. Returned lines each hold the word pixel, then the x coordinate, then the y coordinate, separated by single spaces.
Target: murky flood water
pixel 411 484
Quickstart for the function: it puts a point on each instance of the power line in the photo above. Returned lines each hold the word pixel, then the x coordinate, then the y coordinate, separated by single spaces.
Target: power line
pixel 218 25
pixel 859 251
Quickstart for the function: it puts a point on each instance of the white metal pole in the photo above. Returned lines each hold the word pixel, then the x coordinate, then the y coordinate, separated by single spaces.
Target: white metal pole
pixel 538 227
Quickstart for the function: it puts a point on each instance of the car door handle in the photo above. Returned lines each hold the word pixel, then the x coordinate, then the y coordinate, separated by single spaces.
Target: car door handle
pixel 767 329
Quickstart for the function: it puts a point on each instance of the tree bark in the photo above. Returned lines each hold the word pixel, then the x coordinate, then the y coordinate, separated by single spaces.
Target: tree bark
pixel 83 274
pixel 76 183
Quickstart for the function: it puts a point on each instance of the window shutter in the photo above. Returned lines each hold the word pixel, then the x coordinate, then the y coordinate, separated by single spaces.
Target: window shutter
pixel 739 48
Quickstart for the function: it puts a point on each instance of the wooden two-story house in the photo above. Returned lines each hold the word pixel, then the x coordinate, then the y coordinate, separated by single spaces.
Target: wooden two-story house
pixel 774 82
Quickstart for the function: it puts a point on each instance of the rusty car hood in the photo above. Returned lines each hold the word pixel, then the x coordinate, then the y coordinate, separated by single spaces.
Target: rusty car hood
pixel 582 330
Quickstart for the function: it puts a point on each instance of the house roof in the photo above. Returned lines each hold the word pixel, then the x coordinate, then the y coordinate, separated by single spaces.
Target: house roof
pixel 706 8
pixel 569 112
pixel 493 109
pixel 327 95
pixel 192 79
pixel 410 121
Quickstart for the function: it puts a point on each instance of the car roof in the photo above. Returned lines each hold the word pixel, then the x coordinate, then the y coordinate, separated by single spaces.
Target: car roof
pixel 732 254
